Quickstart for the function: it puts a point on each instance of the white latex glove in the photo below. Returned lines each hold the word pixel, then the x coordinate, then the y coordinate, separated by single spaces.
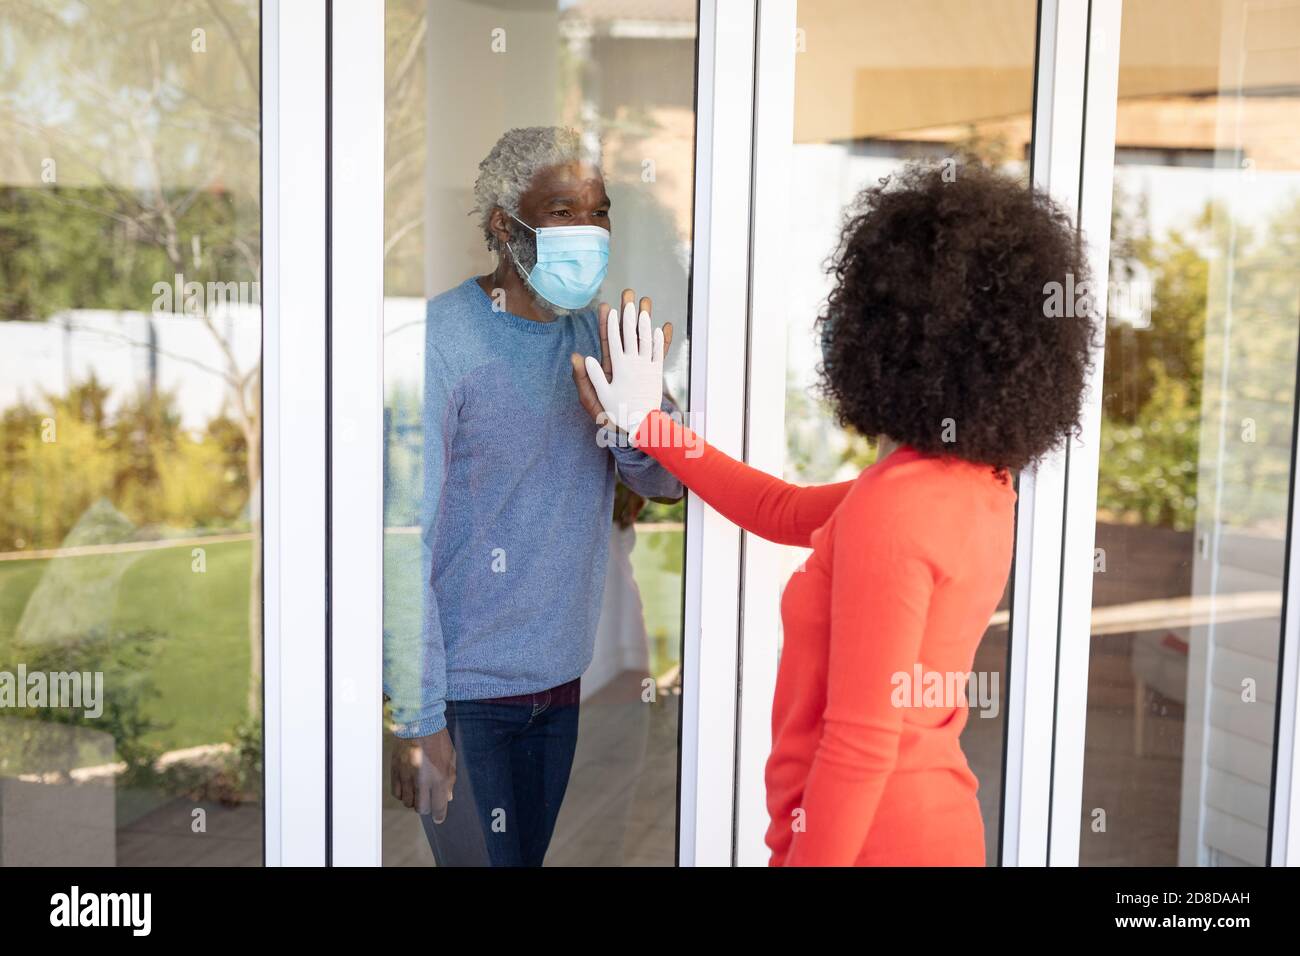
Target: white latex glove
pixel 637 360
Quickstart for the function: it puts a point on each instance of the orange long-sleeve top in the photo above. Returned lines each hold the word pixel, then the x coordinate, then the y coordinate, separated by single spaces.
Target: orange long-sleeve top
pixel 909 561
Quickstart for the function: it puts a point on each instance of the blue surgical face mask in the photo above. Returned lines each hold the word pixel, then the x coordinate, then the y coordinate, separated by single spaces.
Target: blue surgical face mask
pixel 571 263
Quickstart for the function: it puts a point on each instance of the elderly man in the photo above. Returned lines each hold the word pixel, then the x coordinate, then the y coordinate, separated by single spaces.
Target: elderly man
pixel 518 492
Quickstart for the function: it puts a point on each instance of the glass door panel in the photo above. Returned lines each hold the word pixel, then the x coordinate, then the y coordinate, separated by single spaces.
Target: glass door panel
pixel 876 85
pixel 130 360
pixel 1197 419
pixel 533 582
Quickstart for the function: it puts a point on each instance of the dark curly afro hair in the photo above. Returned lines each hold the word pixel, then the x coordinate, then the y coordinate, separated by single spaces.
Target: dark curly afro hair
pixel 938 332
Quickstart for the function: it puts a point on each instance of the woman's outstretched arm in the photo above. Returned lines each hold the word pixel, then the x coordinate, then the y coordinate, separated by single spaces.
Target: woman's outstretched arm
pixel 758 502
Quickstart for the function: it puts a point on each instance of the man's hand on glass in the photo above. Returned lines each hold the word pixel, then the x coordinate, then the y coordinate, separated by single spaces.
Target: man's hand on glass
pixel 422 773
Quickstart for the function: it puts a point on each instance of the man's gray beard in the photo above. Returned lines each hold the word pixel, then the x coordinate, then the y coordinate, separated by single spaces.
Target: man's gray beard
pixel 524 260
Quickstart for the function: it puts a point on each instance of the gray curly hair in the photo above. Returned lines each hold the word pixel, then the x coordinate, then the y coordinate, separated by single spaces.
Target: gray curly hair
pixel 518 156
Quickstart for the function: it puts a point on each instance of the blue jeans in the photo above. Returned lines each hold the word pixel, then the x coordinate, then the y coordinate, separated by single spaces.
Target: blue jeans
pixel 513 759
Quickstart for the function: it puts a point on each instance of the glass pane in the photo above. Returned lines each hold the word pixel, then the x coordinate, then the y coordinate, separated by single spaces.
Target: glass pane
pixel 877 85
pixel 533 594
pixel 130 356
pixel 1196 436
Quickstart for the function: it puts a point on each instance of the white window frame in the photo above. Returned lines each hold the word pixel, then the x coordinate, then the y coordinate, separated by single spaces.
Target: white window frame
pixel 1074 150
pixel 1080 533
pixel 1035 596
pixel 293 438
pixel 764 440
pixel 356 501
pixel 719 306
pixel 1285 838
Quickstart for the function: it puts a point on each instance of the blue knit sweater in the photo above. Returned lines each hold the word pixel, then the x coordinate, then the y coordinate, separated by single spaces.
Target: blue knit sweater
pixel 517 502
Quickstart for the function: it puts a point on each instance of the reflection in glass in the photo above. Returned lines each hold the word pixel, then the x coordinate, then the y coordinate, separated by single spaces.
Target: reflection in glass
pixel 1196 436
pixel 536 557
pixel 130 350
pixel 877 85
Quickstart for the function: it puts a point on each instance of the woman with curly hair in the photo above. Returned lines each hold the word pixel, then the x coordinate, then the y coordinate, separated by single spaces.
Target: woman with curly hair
pixel 937 340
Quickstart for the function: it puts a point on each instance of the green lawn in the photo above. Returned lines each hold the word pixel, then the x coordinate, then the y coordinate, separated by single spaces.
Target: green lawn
pixel 200 660
pixel 657 562
pixel 199 664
